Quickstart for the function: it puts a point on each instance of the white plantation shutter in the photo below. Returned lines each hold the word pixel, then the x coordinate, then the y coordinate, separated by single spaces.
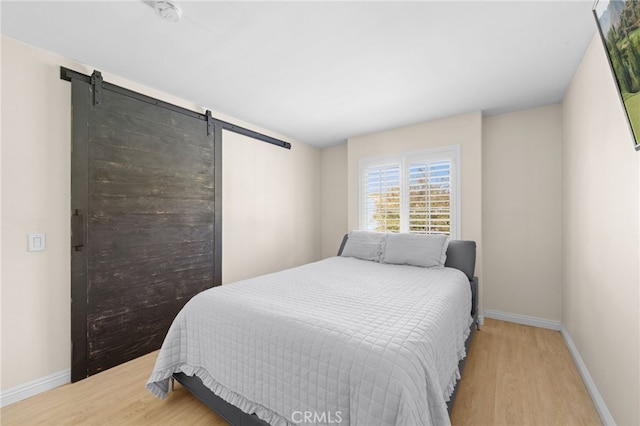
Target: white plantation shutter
pixel 416 193
pixel 430 197
pixel 382 199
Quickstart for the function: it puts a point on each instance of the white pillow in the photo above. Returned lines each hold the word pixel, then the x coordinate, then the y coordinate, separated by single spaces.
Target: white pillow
pixel 428 251
pixel 365 245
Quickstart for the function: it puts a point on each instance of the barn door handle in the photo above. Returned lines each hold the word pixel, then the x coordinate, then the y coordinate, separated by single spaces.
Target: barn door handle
pixel 77 230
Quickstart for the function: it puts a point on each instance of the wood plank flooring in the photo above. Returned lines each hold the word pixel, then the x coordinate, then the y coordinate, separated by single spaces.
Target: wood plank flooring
pixel 520 375
pixel 515 375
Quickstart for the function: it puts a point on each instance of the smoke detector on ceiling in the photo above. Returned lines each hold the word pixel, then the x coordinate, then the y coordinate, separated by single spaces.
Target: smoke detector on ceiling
pixel 167 10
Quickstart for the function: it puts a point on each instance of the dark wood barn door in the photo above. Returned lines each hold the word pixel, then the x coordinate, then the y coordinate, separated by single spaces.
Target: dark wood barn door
pixel 144 222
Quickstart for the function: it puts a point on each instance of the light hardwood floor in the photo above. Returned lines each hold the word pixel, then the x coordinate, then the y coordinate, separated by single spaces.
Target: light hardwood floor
pixel 515 375
pixel 520 375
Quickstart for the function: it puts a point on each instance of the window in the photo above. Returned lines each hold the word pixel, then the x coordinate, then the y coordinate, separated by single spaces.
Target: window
pixel 414 192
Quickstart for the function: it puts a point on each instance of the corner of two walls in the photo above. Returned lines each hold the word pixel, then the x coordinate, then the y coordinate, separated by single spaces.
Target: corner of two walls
pixel 511 199
pixel 554 196
pixel 521 220
pixel 333 197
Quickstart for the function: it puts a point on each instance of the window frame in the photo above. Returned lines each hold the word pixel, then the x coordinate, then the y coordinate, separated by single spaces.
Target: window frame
pixel 403 160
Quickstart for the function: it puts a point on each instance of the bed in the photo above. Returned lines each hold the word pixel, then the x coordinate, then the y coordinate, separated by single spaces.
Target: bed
pixel 341 341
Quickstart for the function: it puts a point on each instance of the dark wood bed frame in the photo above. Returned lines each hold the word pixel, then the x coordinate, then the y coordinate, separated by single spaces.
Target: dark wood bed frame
pixel 460 255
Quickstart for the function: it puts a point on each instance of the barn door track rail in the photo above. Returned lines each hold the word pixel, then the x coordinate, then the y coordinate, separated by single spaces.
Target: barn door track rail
pixel 95 79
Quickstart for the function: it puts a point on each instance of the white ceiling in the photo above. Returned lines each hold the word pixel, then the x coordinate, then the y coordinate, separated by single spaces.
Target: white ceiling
pixel 321 72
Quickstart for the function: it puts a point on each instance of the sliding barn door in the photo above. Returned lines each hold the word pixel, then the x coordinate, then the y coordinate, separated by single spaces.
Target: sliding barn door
pixel 144 225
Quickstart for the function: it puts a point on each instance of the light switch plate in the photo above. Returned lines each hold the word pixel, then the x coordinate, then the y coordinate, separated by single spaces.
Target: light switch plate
pixel 37 242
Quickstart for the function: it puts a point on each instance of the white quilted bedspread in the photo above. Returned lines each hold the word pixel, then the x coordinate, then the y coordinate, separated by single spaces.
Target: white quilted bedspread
pixel 344 339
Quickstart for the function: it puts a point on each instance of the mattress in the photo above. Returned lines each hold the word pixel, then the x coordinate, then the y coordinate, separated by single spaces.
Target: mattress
pixel 341 340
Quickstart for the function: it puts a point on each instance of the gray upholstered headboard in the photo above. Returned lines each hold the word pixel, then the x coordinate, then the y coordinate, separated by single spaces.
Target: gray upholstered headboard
pixel 461 254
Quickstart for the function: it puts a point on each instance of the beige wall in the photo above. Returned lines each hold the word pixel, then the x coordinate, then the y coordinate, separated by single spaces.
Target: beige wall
pixel 35 189
pixel 521 212
pixel 464 130
pixel 271 207
pixel 601 236
pixel 334 198
pixel 35 198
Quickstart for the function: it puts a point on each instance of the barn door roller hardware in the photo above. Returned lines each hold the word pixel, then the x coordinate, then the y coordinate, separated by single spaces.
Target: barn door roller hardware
pixel 99 86
pixel 96 82
pixel 209 123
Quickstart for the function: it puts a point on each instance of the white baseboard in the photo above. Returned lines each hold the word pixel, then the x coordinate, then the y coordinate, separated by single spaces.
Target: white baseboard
pixel 598 401
pixel 35 387
pixel 523 319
